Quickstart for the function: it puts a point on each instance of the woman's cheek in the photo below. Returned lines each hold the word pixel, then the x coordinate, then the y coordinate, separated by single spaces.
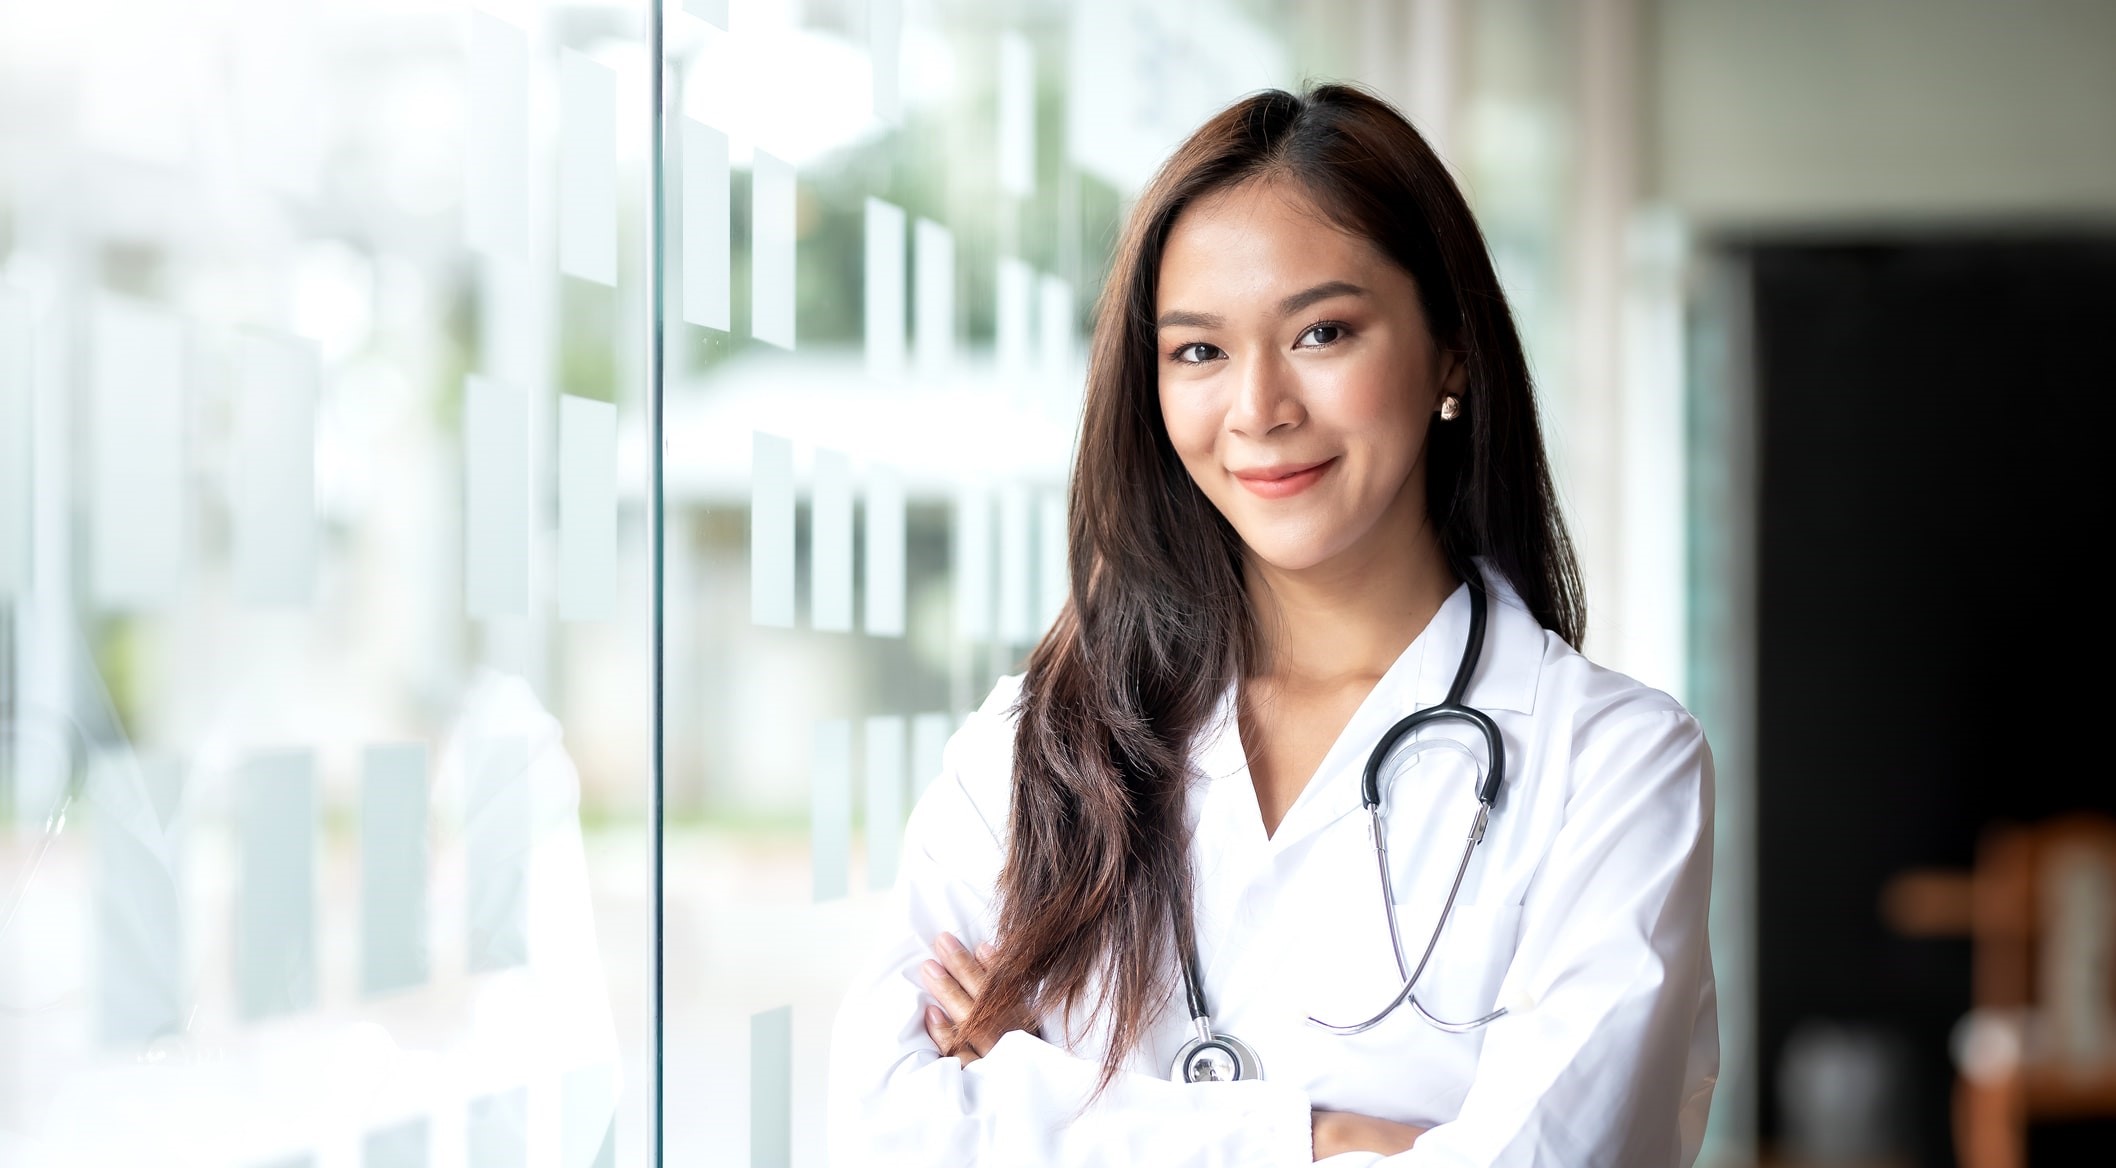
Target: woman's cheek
pixel 1193 432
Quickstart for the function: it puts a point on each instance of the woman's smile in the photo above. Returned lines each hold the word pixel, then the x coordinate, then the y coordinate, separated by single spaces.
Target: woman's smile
pixel 1283 479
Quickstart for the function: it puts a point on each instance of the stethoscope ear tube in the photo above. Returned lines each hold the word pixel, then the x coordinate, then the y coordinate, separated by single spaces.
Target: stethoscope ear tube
pixel 1450 709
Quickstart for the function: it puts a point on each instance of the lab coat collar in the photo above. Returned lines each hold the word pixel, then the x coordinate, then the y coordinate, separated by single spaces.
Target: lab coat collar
pixel 1505 679
pixel 1512 661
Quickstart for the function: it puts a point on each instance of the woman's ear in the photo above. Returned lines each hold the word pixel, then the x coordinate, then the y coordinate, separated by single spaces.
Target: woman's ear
pixel 1453 377
pixel 1455 380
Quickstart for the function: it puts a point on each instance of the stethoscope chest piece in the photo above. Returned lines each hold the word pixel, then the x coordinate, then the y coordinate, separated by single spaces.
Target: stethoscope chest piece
pixel 1215 1058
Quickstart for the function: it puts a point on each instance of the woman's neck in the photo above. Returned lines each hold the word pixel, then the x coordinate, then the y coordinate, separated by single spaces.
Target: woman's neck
pixel 1351 617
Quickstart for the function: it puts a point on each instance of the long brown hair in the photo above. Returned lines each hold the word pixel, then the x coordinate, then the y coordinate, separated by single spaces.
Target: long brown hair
pixel 1097 883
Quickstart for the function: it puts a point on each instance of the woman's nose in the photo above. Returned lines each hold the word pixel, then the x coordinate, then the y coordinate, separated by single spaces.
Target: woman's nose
pixel 1266 398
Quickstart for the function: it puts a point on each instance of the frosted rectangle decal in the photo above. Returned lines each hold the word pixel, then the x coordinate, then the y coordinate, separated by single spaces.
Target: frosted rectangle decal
pixel 1015 319
pixel 885 290
pixel 830 537
pixel 885 798
pixel 402 1145
pixel 136 464
pixel 495 498
pixel 771 1088
pixel 15 489
pixel 275 918
pixel 885 31
pixel 274 528
pixel 587 508
pixel 1017 115
pixel 496 851
pixel 713 12
pixel 496 169
pixel 929 739
pixel 588 1118
pixel 497 1130
pixel 1055 578
pixel 771 531
pixel 510 323
pixel 707 227
pixel 933 304
pixel 973 564
pixel 771 258
pixel 140 971
pixel 830 807
pixel 393 803
pixel 884 549
pixel 587 168
pixel 1054 319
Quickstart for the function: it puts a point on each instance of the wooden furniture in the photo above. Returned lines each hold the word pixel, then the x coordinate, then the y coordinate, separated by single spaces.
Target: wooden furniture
pixel 2040 1041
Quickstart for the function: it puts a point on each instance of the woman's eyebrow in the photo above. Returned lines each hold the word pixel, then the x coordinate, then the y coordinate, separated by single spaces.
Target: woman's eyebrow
pixel 1179 318
pixel 1318 294
pixel 1183 318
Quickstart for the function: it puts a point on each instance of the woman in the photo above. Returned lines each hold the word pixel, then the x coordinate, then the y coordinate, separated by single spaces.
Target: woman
pixel 1309 464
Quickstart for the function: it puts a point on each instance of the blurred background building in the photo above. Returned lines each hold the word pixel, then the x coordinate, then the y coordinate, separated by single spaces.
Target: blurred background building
pixel 329 713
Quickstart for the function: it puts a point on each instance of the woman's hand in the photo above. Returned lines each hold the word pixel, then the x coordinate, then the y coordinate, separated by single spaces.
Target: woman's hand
pixel 1343 1131
pixel 955 981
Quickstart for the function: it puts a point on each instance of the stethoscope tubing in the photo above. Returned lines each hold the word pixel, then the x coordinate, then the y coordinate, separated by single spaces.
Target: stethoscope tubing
pixel 1450 708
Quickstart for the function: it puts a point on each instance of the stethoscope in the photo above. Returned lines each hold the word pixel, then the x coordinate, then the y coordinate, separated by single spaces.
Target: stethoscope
pixel 1212 1057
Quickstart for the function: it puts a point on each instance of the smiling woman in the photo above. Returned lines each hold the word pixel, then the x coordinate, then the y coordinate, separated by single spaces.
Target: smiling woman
pixel 1311 512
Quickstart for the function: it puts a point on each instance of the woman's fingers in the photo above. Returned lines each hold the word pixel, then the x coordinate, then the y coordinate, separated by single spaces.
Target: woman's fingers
pixel 955 980
pixel 969 972
pixel 943 1021
pixel 946 991
pixel 942 1032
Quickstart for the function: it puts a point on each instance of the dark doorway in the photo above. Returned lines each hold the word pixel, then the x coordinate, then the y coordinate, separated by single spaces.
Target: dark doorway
pixel 1932 643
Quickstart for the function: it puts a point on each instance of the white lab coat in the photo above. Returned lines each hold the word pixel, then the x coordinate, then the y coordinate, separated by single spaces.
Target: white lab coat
pixel 1583 912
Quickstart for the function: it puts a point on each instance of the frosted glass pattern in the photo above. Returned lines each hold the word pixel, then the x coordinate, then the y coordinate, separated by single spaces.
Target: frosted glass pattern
pixel 830 551
pixel 324 588
pixel 830 808
pixel 393 868
pixel 706 224
pixel 137 358
pixel 275 489
pixel 496 173
pixel 587 169
pixel 275 945
pixel 15 444
pixel 885 290
pixel 771 216
pixel 587 508
pixel 495 498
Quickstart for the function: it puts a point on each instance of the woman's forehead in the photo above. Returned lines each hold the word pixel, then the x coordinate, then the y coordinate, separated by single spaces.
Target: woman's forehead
pixel 1260 241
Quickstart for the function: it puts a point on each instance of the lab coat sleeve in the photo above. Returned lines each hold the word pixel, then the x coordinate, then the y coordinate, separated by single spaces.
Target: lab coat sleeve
pixel 893 1100
pixel 1611 1048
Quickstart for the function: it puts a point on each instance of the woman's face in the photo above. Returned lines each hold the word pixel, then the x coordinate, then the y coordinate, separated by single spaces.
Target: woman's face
pixel 1297 378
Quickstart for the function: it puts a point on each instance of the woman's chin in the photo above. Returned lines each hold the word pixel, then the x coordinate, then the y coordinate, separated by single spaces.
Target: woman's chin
pixel 1289 555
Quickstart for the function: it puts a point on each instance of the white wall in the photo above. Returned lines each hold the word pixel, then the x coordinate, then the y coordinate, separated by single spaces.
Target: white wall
pixel 1805 111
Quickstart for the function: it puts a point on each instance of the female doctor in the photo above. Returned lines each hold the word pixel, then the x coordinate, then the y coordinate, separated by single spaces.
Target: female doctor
pixel 1307 832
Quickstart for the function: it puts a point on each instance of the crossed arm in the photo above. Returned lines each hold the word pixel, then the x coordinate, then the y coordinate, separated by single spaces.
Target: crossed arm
pixel 955 975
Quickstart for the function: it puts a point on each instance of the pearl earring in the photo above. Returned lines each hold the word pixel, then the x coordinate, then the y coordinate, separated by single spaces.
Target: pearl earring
pixel 1450 408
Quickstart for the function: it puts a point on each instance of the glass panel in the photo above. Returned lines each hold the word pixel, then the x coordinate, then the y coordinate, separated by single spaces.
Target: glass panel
pixel 865 522
pixel 323 675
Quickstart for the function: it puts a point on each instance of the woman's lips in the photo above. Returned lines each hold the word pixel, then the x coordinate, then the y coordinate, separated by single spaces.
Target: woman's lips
pixel 1278 482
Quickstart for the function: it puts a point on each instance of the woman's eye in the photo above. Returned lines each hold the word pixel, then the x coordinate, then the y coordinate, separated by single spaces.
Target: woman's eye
pixel 1324 334
pixel 1195 353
